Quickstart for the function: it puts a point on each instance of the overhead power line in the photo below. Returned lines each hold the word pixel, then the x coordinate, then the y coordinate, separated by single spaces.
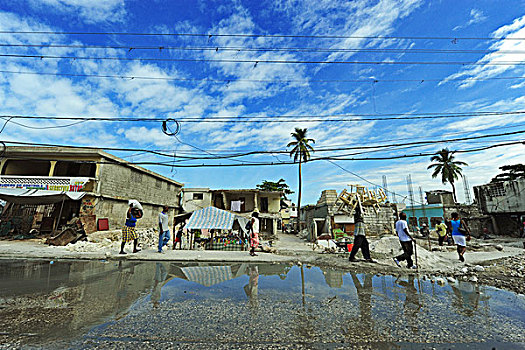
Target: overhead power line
pixel 218 48
pixel 170 155
pixel 241 35
pixel 353 117
pixel 275 81
pixel 266 61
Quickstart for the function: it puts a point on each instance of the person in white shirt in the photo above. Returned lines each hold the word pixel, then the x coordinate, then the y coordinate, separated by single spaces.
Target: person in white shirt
pixel 254 236
pixel 406 242
pixel 164 229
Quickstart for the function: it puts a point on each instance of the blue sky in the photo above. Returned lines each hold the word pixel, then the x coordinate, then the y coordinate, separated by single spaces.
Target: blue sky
pixel 286 89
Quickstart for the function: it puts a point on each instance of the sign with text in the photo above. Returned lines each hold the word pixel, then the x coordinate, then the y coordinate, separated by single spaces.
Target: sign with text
pixel 47 183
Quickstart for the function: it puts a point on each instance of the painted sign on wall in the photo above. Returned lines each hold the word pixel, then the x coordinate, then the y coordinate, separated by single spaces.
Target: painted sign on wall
pixel 62 184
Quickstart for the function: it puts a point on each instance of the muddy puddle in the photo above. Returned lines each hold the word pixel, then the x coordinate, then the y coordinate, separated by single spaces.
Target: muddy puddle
pixel 108 304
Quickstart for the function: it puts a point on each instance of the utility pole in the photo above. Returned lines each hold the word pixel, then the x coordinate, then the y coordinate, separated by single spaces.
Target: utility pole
pixel 425 215
pixel 466 187
pixel 411 198
pixel 385 186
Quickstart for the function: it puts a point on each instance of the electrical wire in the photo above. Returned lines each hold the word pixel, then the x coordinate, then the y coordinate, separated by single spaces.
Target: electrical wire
pixel 241 35
pixel 265 61
pixel 354 117
pixel 160 48
pixel 271 81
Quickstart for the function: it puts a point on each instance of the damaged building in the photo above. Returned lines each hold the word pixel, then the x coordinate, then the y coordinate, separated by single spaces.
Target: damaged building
pixel 439 206
pixel 45 187
pixel 504 203
pixel 324 217
pixel 241 201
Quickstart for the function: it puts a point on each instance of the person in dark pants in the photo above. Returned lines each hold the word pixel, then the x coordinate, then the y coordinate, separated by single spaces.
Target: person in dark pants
pixel 360 241
pixel 406 242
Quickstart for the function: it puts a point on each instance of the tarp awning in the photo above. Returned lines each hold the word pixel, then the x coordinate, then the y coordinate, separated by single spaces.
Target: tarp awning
pixel 208 275
pixel 37 197
pixel 211 218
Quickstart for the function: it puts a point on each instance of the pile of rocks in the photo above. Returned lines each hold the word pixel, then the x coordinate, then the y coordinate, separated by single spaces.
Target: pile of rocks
pixel 111 240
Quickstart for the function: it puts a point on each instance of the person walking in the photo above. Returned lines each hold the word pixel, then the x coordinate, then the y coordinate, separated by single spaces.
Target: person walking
pixel 406 241
pixel 164 228
pixel 254 235
pixel 460 235
pixel 360 241
pixel 129 232
pixel 441 230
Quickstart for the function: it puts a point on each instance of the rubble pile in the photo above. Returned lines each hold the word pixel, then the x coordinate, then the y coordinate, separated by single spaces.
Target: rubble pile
pixel 508 273
pixel 111 240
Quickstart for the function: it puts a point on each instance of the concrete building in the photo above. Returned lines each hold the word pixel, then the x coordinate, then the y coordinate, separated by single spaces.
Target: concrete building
pixel 504 202
pixel 241 201
pixel 439 206
pixel 107 183
pixel 324 217
pixel 288 213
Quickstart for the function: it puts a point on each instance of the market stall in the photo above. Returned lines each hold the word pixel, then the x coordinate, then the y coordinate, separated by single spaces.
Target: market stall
pixel 214 228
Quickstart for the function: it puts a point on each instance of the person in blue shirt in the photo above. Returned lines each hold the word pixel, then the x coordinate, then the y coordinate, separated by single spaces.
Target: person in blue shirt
pixel 460 235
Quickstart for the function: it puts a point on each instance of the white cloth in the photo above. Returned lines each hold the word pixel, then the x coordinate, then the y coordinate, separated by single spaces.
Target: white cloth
pixel 135 204
pixel 163 221
pixel 255 225
pixel 401 225
pixel 459 240
pixel 236 206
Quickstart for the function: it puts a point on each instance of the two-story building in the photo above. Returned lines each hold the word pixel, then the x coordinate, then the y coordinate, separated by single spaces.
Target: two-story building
pixel 504 203
pixel 87 183
pixel 240 201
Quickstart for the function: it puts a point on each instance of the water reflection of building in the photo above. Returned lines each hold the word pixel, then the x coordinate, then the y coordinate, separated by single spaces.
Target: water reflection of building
pixel 466 297
pixel 61 299
pixel 333 278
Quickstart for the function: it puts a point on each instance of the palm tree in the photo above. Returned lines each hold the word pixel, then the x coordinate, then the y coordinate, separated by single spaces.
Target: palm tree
pixel 301 153
pixel 449 168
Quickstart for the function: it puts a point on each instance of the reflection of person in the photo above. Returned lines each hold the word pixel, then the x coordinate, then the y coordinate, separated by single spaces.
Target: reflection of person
pixel 360 241
pixel 460 234
pixel 364 294
pixel 164 228
pixel 254 236
pixel 406 242
pixel 160 276
pixel 412 304
pixel 129 232
pixel 252 288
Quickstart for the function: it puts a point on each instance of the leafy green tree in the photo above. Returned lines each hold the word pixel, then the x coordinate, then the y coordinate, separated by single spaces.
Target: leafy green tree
pixel 300 152
pixel 279 186
pixel 510 172
pixel 449 168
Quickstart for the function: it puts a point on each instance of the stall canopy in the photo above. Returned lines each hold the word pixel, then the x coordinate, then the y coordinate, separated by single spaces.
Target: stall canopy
pixel 211 218
pixel 208 275
pixel 37 197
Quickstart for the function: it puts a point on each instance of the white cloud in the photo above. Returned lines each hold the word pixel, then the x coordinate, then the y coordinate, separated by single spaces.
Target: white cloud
pixel 476 16
pixel 485 67
pixel 91 11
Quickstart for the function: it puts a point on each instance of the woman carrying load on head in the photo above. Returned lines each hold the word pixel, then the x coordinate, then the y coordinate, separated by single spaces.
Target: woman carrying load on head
pixel 129 232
